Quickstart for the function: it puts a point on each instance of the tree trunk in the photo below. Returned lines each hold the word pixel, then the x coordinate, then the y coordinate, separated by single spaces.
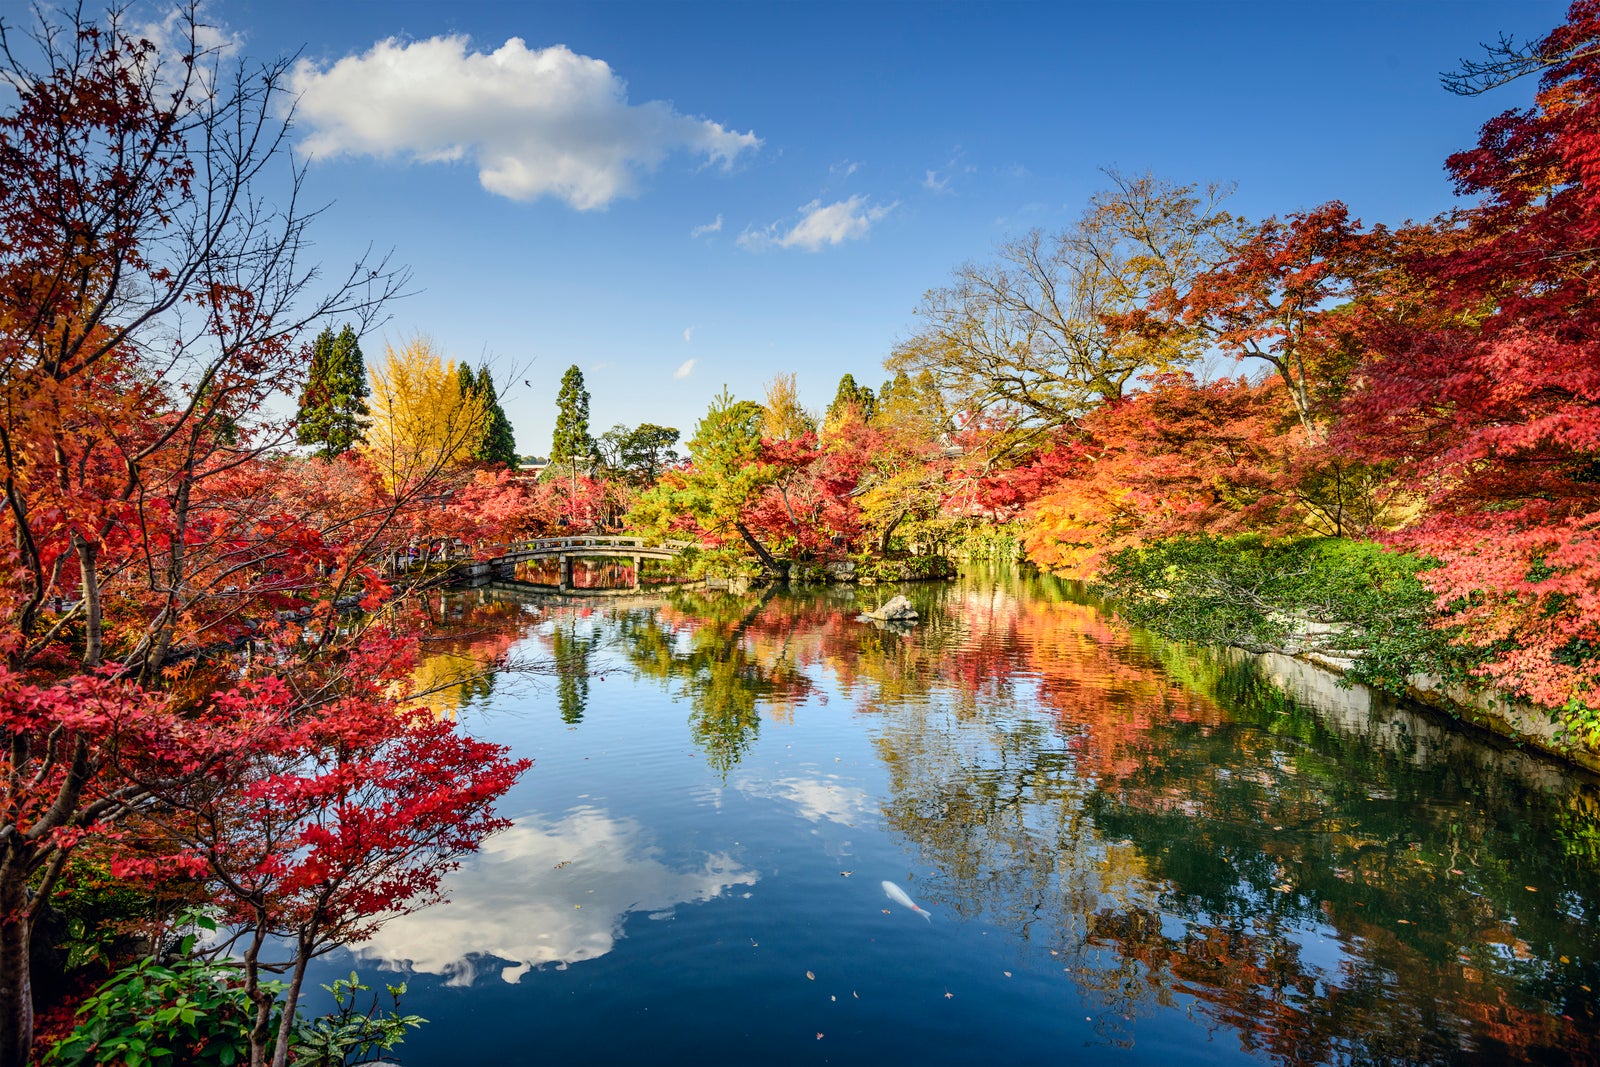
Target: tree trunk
pixel 774 568
pixel 291 1001
pixel 92 632
pixel 883 542
pixel 260 999
pixel 16 985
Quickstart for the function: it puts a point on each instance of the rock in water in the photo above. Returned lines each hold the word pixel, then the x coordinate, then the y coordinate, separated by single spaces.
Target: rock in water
pixel 898 609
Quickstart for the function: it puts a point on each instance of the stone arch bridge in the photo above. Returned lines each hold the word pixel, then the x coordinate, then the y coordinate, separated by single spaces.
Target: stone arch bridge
pixel 565 551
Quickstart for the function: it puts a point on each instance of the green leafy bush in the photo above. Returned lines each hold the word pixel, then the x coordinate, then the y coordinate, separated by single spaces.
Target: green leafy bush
pixel 150 1014
pixel 346 1035
pixel 1351 599
pixel 194 1012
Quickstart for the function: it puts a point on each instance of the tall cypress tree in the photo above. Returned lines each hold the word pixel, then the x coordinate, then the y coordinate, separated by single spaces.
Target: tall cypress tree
pixel 496 443
pixel 850 393
pixel 572 443
pixel 499 444
pixel 333 408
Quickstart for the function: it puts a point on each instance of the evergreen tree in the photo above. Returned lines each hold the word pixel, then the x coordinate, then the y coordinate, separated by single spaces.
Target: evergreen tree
pixel 572 443
pixel 496 443
pixel 333 408
pixel 849 393
pixel 499 443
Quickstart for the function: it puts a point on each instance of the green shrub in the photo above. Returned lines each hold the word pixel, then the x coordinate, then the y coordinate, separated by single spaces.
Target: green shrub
pixel 347 1035
pixel 194 1012
pixel 1352 599
pixel 152 1014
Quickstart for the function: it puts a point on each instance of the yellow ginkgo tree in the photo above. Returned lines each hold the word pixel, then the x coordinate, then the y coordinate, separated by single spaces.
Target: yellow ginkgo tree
pixel 422 421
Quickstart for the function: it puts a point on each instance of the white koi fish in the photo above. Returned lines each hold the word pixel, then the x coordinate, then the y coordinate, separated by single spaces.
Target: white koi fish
pixel 899 896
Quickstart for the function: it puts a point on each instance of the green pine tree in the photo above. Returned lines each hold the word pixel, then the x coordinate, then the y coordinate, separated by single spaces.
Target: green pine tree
pixel 572 443
pixel 333 408
pixel 499 444
pixel 496 442
pixel 849 393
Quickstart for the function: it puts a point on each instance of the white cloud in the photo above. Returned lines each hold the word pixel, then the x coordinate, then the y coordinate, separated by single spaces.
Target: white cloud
pixel 688 335
pixel 938 181
pixel 820 224
pixel 171 35
pixel 544 892
pixel 534 122
pixel 686 368
pixel 844 168
pixel 181 31
pixel 710 227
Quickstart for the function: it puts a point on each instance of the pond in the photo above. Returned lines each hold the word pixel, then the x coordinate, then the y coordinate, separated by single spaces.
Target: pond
pixel 1127 851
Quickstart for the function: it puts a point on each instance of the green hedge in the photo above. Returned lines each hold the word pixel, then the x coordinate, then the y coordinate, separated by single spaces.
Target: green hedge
pixel 1278 596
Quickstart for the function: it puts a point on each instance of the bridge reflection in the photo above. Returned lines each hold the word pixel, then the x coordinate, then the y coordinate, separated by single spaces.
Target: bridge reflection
pixel 585 574
pixel 585 565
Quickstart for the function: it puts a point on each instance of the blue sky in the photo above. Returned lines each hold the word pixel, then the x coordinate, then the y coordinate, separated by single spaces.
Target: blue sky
pixel 854 154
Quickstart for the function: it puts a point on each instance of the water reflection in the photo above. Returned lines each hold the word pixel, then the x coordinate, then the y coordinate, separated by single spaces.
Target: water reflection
pixel 547 892
pixel 815 799
pixel 727 656
pixel 1331 878
pixel 571 653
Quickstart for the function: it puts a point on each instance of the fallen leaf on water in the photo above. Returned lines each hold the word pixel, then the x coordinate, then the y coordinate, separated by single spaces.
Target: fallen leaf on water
pixel 1456 870
pixel 1053 952
pixel 853 993
pixel 949 995
pixel 819 1035
pixel 846 874
pixel 1284 888
pixel 1565 960
pixel 1006 973
pixel 1530 889
pixel 562 864
pixel 886 911
pixel 1406 922
pixel 577 905
pixel 811 976
pixel 833 998
pixel 754 943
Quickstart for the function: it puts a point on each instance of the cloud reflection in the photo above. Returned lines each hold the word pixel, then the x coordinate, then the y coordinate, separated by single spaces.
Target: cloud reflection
pixel 815 799
pixel 546 892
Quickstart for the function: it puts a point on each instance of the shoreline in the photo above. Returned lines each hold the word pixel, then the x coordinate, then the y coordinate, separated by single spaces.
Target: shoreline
pixel 1523 727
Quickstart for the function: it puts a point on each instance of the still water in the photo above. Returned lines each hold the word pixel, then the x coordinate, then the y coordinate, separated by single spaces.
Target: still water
pixel 1131 851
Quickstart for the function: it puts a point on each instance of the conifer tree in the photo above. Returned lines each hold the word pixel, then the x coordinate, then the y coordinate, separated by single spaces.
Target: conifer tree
pixel 850 394
pixel 499 443
pixel 572 443
pixel 333 408
pixel 496 443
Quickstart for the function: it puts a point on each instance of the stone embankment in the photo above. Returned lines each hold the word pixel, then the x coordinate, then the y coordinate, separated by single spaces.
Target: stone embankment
pixel 1314 660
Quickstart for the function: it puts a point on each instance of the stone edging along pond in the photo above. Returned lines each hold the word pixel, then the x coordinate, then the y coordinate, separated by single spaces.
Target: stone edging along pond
pixel 1310 675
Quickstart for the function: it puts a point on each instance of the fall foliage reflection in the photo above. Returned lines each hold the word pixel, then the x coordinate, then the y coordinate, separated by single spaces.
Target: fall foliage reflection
pixel 1325 884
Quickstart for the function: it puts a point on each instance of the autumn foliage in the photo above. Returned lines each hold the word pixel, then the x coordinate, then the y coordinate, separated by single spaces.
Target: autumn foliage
pixel 185 687
pixel 1434 386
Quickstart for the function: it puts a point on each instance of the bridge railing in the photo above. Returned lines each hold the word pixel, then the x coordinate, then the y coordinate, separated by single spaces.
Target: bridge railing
pixel 561 544
pixel 574 544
